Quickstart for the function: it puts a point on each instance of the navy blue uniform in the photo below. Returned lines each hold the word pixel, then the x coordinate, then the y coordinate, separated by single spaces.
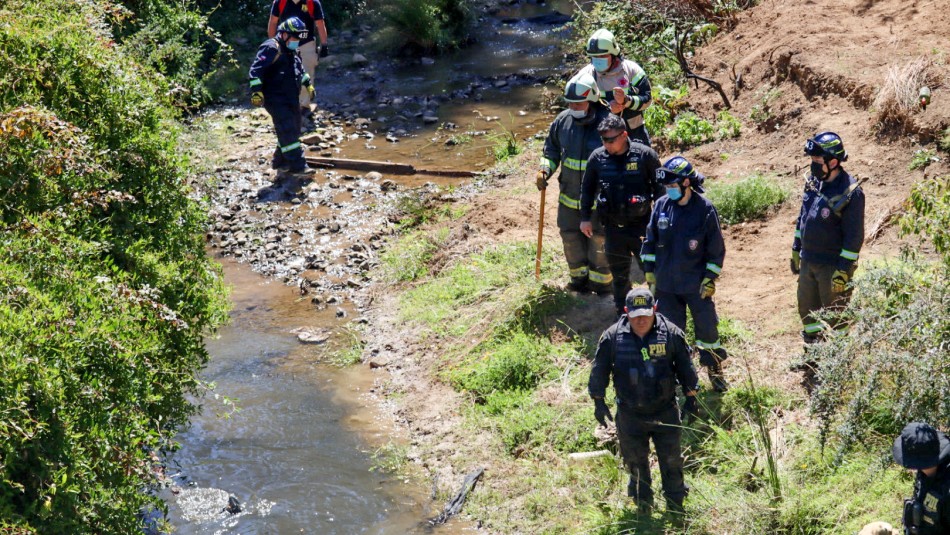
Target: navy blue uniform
pixel 278 73
pixel 928 511
pixel 683 246
pixel 829 234
pixel 624 187
pixel 645 373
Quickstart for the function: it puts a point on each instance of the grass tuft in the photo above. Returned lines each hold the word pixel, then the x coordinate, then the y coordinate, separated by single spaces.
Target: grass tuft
pixel 747 199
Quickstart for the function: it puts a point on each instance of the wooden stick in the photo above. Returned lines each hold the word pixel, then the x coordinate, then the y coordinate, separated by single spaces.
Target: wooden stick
pixel 537 258
pixel 392 168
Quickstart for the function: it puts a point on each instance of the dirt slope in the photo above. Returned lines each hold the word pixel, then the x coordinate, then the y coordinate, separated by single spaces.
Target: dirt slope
pixel 825 61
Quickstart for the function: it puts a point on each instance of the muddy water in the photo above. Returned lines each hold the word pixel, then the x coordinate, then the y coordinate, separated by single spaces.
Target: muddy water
pixel 296 454
pixel 511 49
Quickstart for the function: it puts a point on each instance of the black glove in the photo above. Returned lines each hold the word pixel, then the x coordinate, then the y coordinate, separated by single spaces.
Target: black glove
pixel 690 408
pixel 602 412
pixel 324 51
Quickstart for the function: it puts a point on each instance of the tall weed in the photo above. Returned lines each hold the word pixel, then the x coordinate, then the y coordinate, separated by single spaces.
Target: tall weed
pixel 750 198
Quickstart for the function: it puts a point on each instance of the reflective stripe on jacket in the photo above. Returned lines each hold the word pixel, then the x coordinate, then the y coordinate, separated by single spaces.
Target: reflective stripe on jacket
pixel 824 235
pixel 569 144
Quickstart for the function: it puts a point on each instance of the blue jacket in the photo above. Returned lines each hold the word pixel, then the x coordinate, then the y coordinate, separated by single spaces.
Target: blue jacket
pixel 624 186
pixel 683 244
pixel 278 72
pixel 645 370
pixel 825 235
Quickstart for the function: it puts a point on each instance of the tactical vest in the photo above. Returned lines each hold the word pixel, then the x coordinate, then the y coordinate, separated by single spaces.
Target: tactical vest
pixel 625 189
pixel 922 512
pixel 643 370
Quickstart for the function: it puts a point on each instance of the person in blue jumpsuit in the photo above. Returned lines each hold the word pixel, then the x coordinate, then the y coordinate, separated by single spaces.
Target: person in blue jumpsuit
pixel 682 257
pixel 276 77
pixel 829 233
pixel 621 177
pixel 647 356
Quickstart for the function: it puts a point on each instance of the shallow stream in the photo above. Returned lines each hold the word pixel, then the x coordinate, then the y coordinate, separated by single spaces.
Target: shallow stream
pixel 297 454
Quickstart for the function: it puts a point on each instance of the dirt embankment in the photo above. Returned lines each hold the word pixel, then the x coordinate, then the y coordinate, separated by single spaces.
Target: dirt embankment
pixel 811 67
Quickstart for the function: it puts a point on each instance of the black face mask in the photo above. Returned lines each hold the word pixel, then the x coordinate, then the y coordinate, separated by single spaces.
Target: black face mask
pixel 818 171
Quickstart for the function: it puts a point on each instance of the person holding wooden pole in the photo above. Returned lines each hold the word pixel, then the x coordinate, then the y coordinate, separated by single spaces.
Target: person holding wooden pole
pixel 571 139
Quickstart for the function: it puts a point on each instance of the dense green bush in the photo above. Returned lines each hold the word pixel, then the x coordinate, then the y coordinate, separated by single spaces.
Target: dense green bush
pixel 746 199
pixel 518 361
pixel 892 364
pixel 930 214
pixel 107 293
pixel 423 26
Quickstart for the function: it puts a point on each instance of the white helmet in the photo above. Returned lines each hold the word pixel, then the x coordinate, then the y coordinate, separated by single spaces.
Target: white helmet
pixel 580 88
pixel 602 42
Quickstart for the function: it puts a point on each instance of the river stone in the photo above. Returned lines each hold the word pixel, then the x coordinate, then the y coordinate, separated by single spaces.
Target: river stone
pixel 427 61
pixel 430 119
pixel 312 336
pixel 500 83
pixel 360 59
pixel 388 185
pixel 373 175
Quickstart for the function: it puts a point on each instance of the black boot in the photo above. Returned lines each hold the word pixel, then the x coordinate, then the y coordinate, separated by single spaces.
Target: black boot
pixel 579 285
pixel 717 378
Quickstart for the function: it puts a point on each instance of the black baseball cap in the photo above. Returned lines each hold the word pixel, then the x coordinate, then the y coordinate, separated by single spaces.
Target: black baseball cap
pixel 639 303
pixel 920 446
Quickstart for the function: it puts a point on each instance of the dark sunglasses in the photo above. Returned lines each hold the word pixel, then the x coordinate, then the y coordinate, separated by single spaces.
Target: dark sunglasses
pixel 610 139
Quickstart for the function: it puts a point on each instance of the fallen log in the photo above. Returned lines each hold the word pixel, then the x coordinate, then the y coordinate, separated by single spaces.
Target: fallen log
pixel 391 168
pixel 454 506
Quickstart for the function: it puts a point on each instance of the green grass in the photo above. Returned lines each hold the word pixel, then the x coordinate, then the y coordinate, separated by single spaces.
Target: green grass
pixel 504 145
pixel 748 199
pixel 408 257
pixel 922 158
pixel 944 142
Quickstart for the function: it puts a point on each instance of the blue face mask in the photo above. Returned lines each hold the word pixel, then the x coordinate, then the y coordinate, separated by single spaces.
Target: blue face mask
pixel 293 45
pixel 675 193
pixel 600 64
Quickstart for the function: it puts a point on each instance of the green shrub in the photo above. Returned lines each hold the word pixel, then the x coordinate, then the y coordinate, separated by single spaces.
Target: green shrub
pixel 107 292
pixel 727 126
pixel 889 366
pixel 423 26
pixel 922 158
pixel 761 113
pixel 689 130
pixel 747 199
pixel 944 142
pixel 930 214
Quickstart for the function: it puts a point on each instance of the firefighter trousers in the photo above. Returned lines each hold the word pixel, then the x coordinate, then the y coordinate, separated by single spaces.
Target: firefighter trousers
pixel 585 256
pixel 287 124
pixel 814 294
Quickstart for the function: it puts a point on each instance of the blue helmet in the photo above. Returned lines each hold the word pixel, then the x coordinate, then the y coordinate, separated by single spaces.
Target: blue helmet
pixel 295 27
pixel 676 170
pixel 828 145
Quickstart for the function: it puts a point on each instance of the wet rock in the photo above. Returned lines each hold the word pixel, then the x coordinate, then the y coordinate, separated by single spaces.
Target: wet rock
pixel 430 119
pixel 353 283
pixel 234 506
pixel 340 313
pixel 334 227
pixel 500 83
pixel 312 336
pixel 360 60
pixel 427 61
pixel 391 138
pixel 373 175
pixel 388 185
pixel 333 300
